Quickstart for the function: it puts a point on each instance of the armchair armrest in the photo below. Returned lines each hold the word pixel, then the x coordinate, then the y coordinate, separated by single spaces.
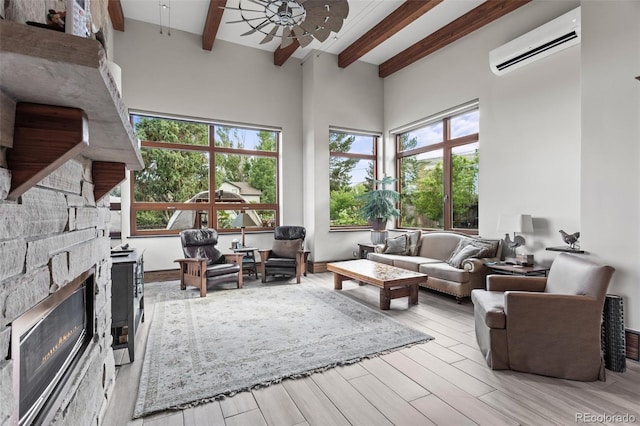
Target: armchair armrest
pixel 264 254
pixel 473 264
pixel 515 283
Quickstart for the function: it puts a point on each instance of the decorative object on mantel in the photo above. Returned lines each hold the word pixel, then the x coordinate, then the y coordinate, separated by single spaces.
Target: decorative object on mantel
pixel 571 239
pixel 300 20
pixel 521 223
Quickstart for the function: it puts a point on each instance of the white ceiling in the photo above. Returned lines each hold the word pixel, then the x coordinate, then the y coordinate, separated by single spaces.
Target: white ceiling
pixel 189 16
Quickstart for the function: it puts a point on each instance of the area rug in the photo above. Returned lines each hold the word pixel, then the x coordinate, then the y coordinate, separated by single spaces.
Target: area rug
pixel 201 349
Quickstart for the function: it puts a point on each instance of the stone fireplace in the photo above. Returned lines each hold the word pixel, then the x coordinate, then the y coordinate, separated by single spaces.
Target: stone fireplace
pixel 49 238
pixel 65 142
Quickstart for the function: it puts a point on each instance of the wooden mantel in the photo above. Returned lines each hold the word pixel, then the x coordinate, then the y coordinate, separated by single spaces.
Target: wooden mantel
pixel 41 66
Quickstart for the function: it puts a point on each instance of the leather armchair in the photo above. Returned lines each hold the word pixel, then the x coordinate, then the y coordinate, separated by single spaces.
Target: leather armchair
pixel 287 256
pixel 204 264
pixel 548 326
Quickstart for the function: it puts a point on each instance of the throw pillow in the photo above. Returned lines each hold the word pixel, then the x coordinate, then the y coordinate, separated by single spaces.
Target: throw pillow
pixel 413 242
pixel 286 248
pixel 396 245
pixel 488 248
pixel 459 256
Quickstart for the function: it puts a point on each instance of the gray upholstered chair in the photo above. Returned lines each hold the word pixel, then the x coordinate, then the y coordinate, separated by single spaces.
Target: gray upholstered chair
pixel 204 264
pixel 549 326
pixel 287 256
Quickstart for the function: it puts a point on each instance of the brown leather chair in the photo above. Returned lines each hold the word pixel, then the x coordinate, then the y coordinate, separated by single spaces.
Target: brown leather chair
pixel 287 256
pixel 204 264
pixel 548 326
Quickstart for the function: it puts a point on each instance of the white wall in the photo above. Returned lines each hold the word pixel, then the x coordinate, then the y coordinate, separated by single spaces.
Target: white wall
pixel 610 202
pixel 173 75
pixel 529 123
pixel 350 98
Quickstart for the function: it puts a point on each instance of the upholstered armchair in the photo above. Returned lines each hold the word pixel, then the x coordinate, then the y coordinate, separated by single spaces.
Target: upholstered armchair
pixel 545 325
pixel 287 256
pixel 204 264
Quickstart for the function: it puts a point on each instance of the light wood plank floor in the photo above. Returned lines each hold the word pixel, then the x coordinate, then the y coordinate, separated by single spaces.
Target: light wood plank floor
pixel 442 382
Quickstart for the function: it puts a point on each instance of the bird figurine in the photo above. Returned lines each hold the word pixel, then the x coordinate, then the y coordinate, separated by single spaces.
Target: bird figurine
pixel 570 239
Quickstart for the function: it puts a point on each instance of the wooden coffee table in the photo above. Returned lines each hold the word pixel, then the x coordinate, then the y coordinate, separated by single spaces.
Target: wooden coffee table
pixel 393 282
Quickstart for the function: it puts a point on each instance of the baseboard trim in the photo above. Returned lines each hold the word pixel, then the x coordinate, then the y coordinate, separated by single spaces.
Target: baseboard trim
pixel 167 275
pixel 632 344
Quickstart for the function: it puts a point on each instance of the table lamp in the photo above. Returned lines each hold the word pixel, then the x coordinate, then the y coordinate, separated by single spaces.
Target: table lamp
pixel 241 221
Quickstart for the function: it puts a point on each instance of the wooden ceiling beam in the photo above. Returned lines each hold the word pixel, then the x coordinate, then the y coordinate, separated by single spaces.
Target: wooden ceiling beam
pixel 473 20
pixel 212 23
pixel 115 13
pixel 281 55
pixel 405 14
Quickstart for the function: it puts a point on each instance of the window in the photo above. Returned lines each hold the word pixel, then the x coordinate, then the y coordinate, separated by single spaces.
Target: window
pixel 437 165
pixel 187 161
pixel 352 166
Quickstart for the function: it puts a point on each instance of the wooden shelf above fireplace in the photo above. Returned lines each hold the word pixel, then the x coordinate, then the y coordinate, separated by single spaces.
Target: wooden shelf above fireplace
pixel 41 66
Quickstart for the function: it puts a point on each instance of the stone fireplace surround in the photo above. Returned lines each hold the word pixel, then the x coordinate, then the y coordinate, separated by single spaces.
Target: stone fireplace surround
pixel 56 230
pixel 51 235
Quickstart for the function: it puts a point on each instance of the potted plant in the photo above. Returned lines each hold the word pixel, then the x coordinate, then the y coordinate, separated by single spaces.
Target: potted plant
pixel 379 205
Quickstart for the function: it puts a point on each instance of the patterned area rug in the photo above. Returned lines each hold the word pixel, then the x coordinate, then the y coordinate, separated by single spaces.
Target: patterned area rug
pixel 200 349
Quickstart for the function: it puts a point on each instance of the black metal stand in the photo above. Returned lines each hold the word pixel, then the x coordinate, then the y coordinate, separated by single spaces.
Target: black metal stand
pixel 613 343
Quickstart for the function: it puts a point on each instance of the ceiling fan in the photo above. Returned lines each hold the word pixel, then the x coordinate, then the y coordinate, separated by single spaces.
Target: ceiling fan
pixel 301 20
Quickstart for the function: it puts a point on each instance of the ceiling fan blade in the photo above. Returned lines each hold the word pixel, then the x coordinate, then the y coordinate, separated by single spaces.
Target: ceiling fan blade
pixel 256 28
pixel 334 24
pixel 241 10
pixel 244 20
pixel 339 8
pixel 298 31
pixel 322 34
pixel 305 40
pixel 270 36
pixel 286 38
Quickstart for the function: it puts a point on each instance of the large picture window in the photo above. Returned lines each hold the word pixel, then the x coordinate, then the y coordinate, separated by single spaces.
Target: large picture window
pixel 352 166
pixel 437 164
pixel 200 174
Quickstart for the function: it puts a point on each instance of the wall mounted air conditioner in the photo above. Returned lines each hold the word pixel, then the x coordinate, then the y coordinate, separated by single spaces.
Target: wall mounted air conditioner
pixel 552 37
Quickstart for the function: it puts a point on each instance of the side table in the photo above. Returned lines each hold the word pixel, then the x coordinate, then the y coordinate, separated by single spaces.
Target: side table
pixel 364 249
pixel 507 269
pixel 249 259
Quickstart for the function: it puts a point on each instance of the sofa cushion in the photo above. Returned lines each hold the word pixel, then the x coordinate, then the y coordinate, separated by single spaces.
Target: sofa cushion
pixel 488 247
pixel 286 248
pixel 396 245
pixel 463 251
pixel 412 263
pixel 444 271
pixel 489 305
pixel 413 242
pixel 387 259
pixel 439 245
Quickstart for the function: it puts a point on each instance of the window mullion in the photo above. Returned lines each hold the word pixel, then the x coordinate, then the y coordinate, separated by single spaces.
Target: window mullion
pixel 446 178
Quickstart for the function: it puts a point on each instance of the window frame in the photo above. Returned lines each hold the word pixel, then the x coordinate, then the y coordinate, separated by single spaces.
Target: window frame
pixel 447 144
pixel 212 207
pixel 372 157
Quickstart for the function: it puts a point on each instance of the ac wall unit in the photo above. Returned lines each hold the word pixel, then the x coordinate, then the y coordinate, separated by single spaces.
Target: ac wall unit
pixel 552 37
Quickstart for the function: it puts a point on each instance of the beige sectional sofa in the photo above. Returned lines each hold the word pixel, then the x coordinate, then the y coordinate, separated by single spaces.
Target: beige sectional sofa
pixel 432 255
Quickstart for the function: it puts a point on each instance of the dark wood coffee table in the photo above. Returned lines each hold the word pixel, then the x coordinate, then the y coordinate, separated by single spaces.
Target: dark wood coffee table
pixel 393 282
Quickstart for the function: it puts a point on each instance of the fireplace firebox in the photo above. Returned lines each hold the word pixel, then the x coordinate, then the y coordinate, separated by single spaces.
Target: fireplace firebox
pixel 46 343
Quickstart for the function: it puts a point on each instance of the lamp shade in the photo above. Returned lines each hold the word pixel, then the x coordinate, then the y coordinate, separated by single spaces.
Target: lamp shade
pixel 515 223
pixel 242 221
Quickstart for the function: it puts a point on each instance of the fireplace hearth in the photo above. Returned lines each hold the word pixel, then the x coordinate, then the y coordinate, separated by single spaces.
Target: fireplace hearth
pixel 46 343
